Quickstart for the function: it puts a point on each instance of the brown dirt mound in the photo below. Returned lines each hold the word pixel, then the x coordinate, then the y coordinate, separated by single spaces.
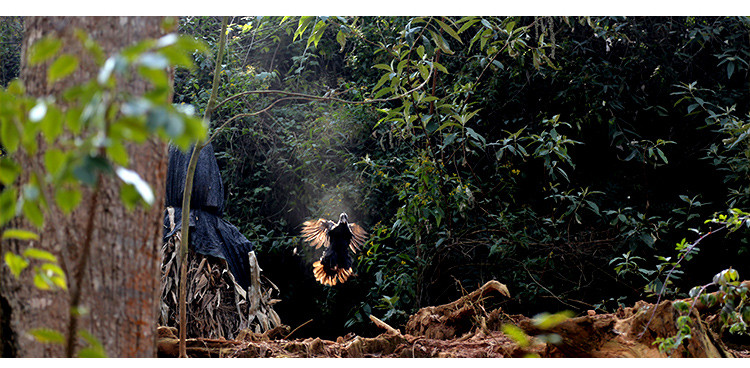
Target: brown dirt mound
pixel 464 329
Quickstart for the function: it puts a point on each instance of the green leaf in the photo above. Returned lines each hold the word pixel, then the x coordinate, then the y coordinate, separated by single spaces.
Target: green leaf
pixel 33 213
pixel 546 321
pixel 19 234
pixel 42 282
pixel 90 45
pixel 91 353
pixel 39 254
pixel 117 152
pixel 73 119
pixel 317 33
pixel 663 157
pixel 516 334
pixel 440 42
pixel 8 205
pixel 385 67
pixel 91 340
pixel 9 135
pixel 9 171
pixel 15 263
pixel 61 68
pixel 341 39
pixel 43 49
pixel 448 30
pixel 52 124
pixel 55 274
pixel 67 199
pixel 46 335
pixel 54 160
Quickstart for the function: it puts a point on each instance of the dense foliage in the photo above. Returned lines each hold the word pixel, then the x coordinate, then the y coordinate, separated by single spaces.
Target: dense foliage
pixel 564 157
pixel 575 160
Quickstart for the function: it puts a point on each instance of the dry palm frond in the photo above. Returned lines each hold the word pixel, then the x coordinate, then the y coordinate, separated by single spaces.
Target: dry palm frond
pixel 217 306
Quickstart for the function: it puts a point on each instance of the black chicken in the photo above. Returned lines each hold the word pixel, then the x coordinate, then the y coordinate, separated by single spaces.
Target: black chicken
pixel 335 266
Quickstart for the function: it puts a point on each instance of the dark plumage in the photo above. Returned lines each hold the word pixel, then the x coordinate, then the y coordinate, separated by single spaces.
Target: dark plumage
pixel 335 266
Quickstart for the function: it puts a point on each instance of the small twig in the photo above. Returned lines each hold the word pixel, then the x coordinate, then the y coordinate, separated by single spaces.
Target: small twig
pixel 76 287
pixel 295 330
pixel 384 326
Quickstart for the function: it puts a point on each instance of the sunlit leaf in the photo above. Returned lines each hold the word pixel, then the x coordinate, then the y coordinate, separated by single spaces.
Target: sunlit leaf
pixel 43 49
pixel 39 254
pixel 20 234
pixel 42 282
pixel 546 321
pixel 15 263
pixel 52 124
pixel 131 177
pixel 37 113
pixel 9 171
pixel 33 213
pixel 62 67
pixel 8 205
pixel 516 334
pixel 9 135
pixel 67 199
pixel 46 335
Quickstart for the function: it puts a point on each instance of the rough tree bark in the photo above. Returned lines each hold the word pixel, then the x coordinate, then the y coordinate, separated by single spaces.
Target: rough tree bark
pixel 121 281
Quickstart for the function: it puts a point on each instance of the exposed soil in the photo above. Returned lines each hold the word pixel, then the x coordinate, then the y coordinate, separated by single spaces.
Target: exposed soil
pixel 464 329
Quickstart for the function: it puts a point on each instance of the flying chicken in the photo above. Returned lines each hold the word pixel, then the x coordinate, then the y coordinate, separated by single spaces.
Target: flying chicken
pixel 335 266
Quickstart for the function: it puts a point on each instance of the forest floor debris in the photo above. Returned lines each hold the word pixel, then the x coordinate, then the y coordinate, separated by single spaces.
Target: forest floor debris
pixel 464 329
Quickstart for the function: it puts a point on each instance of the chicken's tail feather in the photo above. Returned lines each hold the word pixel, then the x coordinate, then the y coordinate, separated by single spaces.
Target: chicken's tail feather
pixel 330 276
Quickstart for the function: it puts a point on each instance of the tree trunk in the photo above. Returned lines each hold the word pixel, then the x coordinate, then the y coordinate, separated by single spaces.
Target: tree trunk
pixel 121 280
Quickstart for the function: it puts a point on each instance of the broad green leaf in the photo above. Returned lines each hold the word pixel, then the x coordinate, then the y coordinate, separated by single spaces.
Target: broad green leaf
pixel 46 335
pixel 304 22
pixel 61 68
pixel 468 24
pixel 43 49
pixel 132 53
pixel 9 171
pixel 440 42
pixel 52 124
pixel 448 30
pixel 516 334
pixel 67 199
pixel 33 213
pixel 8 205
pixel 317 33
pixel 91 353
pixel 91 340
pixel 55 274
pixel 117 152
pixel 39 254
pixel 9 135
pixel 385 67
pixel 54 159
pixel 546 321
pixel 90 45
pixel 42 282
pixel 19 234
pixel 440 67
pixel 73 119
pixel 341 39
pixel 15 263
